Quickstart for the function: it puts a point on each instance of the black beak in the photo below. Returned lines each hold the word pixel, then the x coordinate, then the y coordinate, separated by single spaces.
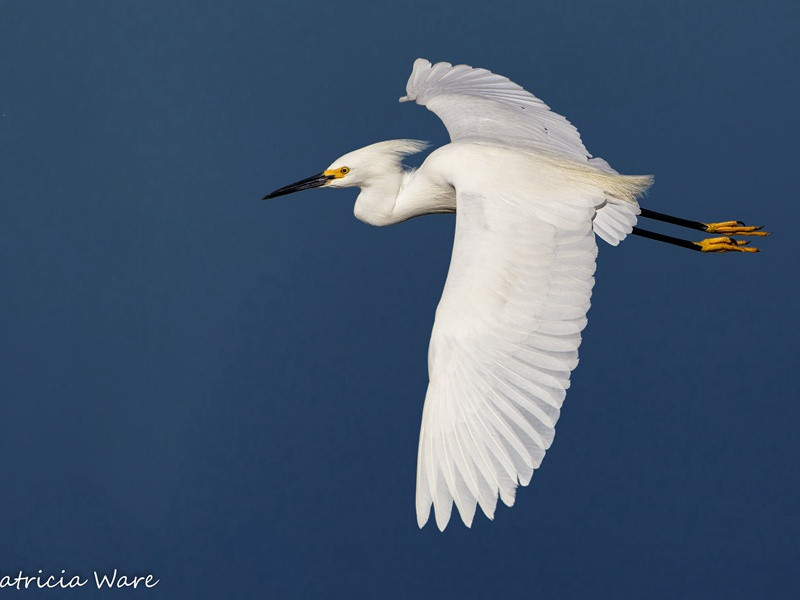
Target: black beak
pixel 305 184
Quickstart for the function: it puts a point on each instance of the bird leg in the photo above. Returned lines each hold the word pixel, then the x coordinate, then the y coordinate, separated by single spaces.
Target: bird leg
pixel 723 227
pixel 718 244
pixel 715 244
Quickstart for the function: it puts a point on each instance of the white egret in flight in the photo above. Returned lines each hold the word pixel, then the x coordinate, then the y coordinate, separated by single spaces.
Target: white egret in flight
pixel 529 200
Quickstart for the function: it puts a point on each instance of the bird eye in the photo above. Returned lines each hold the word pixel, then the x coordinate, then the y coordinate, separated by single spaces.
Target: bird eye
pixel 344 170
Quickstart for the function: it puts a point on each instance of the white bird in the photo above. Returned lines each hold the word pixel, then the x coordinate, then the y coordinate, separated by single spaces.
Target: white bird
pixel 529 200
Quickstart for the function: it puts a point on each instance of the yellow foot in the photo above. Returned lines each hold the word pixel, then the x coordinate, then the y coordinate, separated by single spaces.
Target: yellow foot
pixel 735 228
pixel 724 244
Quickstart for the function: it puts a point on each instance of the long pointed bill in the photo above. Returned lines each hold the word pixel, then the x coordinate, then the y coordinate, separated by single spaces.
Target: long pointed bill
pixel 306 184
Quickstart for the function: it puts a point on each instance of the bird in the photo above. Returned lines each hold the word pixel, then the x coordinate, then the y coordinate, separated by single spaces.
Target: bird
pixel 529 202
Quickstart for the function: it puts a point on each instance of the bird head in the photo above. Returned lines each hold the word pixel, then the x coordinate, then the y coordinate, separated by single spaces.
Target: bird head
pixel 359 167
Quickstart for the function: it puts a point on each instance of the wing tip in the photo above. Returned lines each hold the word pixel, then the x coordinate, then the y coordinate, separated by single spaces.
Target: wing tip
pixel 416 77
pixel 423 514
pixel 441 522
pixel 421 62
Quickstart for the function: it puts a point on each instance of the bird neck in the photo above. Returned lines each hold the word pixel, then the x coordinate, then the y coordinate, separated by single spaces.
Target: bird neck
pixel 376 202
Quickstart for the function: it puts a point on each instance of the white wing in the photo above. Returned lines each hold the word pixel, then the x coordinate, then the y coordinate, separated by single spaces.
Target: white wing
pixel 504 342
pixel 481 106
pixel 478 105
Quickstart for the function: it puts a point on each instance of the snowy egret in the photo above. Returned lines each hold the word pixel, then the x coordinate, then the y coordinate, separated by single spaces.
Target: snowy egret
pixel 529 200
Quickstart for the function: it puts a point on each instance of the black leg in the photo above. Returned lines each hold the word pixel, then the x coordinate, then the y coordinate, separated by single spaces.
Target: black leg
pixel 657 216
pixel 723 227
pixel 659 237
pixel 717 244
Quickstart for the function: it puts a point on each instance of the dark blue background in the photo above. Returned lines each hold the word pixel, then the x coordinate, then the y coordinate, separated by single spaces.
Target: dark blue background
pixel 227 393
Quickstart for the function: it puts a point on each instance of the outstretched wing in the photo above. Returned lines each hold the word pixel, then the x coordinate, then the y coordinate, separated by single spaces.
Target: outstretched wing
pixel 504 342
pixel 478 105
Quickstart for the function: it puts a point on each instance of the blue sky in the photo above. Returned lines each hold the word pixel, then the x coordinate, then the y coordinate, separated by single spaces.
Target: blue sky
pixel 227 393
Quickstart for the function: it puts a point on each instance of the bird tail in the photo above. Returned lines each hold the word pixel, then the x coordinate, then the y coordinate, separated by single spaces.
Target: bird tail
pixel 617 216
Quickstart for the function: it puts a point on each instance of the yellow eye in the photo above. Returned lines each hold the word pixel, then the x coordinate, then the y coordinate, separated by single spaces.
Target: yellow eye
pixel 344 170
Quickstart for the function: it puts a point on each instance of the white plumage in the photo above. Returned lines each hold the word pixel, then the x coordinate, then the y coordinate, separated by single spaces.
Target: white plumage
pixel 529 200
